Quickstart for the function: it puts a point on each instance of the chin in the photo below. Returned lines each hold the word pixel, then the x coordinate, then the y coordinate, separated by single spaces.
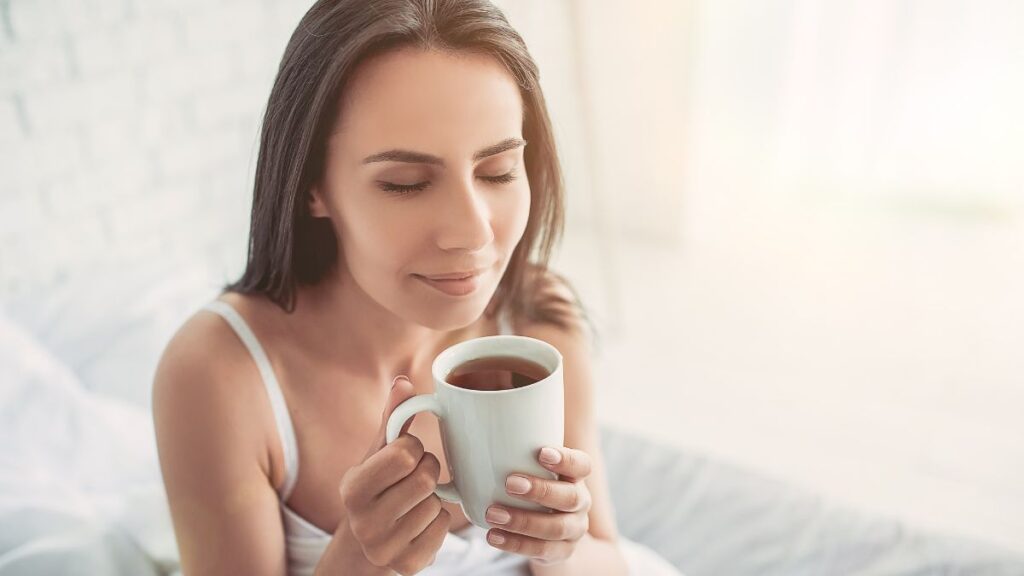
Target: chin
pixel 448 319
pixel 450 316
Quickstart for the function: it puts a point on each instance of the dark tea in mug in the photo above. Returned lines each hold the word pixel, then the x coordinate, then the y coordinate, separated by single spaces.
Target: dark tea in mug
pixel 497 373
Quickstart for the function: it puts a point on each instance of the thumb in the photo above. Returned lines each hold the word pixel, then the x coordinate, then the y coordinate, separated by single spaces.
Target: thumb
pixel 401 390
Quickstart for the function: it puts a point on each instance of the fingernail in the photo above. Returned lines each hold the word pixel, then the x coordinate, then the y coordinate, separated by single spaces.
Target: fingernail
pixel 497 515
pixel 495 538
pixel 397 378
pixel 517 484
pixel 550 456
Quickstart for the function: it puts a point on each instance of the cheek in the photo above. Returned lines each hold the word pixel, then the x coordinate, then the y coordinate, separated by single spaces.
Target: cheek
pixel 514 215
pixel 377 240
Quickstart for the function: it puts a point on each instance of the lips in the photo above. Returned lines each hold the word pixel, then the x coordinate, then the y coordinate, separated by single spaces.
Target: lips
pixel 453 284
pixel 453 275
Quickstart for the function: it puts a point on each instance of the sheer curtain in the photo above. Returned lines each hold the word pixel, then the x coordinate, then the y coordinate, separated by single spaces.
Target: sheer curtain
pixel 873 105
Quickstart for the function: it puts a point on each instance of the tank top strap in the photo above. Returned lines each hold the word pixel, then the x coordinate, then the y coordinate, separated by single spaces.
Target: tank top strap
pixel 289 447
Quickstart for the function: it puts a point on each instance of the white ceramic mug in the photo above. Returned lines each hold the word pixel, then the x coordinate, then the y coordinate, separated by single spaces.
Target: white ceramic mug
pixel 488 434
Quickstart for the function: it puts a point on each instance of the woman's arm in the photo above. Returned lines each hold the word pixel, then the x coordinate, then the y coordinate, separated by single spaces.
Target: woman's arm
pixel 213 454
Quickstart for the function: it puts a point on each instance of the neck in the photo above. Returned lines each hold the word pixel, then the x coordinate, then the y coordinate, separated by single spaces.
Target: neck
pixel 368 340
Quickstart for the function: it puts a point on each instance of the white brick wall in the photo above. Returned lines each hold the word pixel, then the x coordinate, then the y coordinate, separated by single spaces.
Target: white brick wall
pixel 129 133
pixel 129 129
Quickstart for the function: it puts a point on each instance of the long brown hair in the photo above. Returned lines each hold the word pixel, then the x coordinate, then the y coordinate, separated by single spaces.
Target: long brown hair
pixel 287 246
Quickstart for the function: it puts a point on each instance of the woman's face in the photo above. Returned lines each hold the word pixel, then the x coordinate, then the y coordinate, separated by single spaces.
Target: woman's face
pixel 424 176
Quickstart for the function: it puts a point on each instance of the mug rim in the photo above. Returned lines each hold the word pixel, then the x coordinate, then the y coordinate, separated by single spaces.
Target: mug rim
pixel 449 351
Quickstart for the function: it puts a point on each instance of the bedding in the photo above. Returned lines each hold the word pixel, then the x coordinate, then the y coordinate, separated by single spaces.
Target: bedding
pixel 80 493
pixel 80 487
pixel 712 518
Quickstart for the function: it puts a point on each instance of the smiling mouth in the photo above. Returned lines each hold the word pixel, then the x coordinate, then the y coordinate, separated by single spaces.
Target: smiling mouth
pixel 454 275
pixel 453 286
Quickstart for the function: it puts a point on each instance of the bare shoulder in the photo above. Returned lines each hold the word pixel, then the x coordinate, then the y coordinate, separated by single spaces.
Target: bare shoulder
pixel 206 379
pixel 204 361
pixel 209 416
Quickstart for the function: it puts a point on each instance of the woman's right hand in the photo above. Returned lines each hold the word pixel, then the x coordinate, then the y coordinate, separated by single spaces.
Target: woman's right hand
pixel 390 506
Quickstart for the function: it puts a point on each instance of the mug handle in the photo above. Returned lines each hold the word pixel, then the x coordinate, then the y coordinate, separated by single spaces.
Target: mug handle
pixel 405 411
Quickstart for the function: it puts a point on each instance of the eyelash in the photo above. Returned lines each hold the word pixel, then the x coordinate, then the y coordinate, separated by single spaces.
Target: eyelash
pixel 403 189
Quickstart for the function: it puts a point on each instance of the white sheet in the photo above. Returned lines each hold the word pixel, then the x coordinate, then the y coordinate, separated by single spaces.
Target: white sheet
pixel 80 491
pixel 711 518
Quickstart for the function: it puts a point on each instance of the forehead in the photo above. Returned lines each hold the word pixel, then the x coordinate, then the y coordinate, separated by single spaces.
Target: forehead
pixel 431 100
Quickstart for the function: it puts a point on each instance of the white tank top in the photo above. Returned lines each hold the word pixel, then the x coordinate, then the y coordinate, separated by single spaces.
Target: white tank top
pixel 463 552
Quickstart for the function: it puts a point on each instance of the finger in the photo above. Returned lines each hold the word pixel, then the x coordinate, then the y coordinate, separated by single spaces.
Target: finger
pixel 366 481
pixel 401 390
pixel 544 550
pixel 407 492
pixel 569 462
pixel 555 494
pixel 423 548
pixel 414 522
pixel 378 464
pixel 541 525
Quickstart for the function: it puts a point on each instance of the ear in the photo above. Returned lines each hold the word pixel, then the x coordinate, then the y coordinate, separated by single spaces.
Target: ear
pixel 317 206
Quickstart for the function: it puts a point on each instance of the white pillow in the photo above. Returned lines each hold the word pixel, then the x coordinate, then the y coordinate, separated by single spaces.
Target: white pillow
pixel 78 471
pixel 111 332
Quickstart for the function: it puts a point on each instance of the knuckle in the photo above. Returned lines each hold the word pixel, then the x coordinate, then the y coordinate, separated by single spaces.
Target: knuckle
pixel 431 463
pixel 518 522
pixel 444 517
pixel 564 530
pixel 349 487
pixel 575 500
pixel 524 523
pixel 572 459
pixel 414 444
pixel 410 451
pixel 345 492
pixel 541 490
pixel 425 482
pixel 422 509
pixel 587 464
pixel 434 506
pixel 409 564
pixel 513 544
pixel 429 466
pixel 407 460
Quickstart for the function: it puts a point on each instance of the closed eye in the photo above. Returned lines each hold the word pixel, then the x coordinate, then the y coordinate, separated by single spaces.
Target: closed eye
pixel 502 179
pixel 401 189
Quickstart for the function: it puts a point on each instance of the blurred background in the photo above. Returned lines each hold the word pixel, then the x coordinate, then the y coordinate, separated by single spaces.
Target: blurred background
pixel 799 225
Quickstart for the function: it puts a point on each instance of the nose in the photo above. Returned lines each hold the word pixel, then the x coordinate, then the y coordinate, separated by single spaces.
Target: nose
pixel 464 220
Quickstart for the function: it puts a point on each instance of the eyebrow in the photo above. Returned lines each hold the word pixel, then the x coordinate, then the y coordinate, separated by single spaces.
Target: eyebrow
pixel 422 158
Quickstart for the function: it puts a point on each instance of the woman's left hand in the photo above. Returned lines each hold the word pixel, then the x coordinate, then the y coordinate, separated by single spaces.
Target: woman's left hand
pixel 546 537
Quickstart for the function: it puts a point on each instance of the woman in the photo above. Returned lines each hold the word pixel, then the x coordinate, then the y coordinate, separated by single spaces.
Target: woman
pixel 407 197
